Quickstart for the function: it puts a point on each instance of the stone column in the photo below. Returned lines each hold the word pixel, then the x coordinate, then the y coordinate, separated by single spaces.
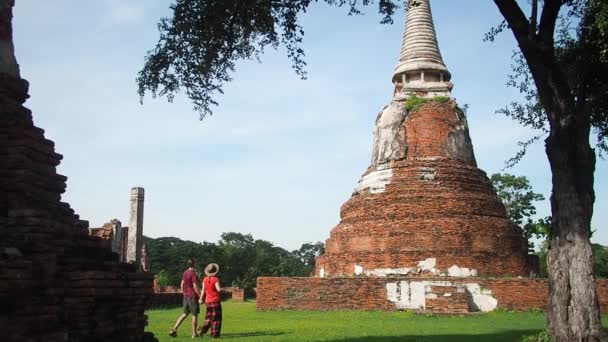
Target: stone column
pixel 136 227
pixel 117 238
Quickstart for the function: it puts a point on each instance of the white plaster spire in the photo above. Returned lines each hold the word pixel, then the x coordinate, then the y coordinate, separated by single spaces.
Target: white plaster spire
pixel 421 68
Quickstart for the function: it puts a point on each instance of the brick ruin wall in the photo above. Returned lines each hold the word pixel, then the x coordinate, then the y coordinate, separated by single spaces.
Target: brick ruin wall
pixel 56 282
pixel 170 296
pixel 238 294
pixel 370 293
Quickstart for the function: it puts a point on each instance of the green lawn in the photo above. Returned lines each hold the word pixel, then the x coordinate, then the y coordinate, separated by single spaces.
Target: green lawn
pixel 243 323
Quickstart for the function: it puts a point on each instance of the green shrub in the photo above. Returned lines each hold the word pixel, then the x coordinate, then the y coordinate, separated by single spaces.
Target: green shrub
pixel 414 103
pixel 541 337
pixel 162 278
pixel 441 99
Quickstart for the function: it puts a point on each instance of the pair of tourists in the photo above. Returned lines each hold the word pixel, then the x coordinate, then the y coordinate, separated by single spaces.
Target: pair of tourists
pixel 209 294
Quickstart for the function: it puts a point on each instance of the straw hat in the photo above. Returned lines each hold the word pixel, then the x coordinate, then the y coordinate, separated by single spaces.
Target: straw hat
pixel 212 269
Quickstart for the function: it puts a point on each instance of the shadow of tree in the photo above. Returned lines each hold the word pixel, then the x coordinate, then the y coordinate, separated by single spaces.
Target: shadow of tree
pixel 253 334
pixel 504 336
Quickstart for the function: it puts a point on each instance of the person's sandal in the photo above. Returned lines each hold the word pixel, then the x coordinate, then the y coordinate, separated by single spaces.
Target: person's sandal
pixel 196 335
pixel 173 333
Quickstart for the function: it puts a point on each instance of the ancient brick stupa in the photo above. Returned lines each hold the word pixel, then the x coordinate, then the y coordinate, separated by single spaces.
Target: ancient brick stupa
pixel 423 206
pixel 424 229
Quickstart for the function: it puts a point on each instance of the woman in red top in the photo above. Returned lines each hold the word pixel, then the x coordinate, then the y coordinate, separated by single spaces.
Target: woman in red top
pixel 210 295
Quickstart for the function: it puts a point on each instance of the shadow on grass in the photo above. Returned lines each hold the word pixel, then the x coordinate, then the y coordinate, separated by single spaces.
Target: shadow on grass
pixel 504 336
pixel 253 334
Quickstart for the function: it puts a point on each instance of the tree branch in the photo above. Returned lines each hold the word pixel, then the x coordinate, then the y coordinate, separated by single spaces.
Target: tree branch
pixel 533 19
pixel 548 18
pixel 553 90
pixel 515 17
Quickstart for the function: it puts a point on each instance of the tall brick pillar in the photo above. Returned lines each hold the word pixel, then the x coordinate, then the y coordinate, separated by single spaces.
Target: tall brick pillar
pixel 136 227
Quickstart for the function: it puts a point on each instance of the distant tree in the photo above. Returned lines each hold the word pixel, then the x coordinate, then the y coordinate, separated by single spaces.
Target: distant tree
pixel 245 259
pixel 308 253
pixel 162 279
pixel 600 260
pixel 170 255
pixel 241 258
pixel 518 197
pixel 238 256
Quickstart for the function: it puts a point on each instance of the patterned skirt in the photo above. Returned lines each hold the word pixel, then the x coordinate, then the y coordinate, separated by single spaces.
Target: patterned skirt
pixel 213 319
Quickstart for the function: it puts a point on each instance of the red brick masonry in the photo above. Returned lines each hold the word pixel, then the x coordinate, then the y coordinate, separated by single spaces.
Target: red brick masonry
pixel 238 294
pixel 367 293
pixel 437 204
pixel 57 283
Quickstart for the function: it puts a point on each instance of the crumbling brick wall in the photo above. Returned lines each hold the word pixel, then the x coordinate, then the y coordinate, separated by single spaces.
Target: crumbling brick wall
pixel 370 293
pixel 56 282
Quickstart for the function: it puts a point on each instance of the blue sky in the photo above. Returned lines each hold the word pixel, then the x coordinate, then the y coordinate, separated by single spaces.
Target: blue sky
pixel 280 155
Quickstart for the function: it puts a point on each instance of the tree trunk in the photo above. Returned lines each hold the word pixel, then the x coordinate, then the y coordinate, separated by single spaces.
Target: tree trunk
pixel 573 312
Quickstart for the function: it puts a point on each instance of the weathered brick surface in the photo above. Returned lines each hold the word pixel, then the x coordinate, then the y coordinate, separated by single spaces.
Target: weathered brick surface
pixel 369 293
pixel 57 283
pixel 322 294
pixel 438 204
pixel 238 294
pixel 448 300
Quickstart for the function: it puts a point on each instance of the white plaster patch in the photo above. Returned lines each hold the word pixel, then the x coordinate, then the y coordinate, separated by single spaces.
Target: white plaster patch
pixel 456 271
pixel 322 273
pixel 384 272
pixel 417 295
pixel 480 299
pixel 413 295
pixel 484 303
pixel 473 288
pixel 392 292
pixel 375 181
pixel 399 293
pixel 389 142
pixel 358 270
pixel 428 264
pixel 441 283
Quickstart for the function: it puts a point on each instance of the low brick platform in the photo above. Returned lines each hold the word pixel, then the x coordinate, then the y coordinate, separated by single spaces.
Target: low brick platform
pixel 395 293
pixel 166 299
